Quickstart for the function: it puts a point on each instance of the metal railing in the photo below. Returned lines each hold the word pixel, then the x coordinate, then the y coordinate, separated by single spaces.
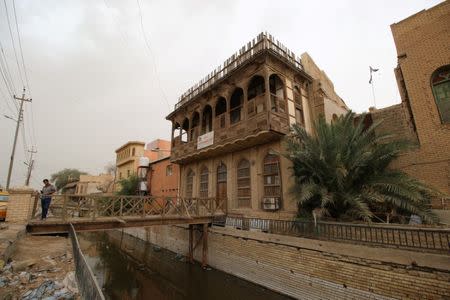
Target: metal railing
pixel 434 239
pixel 94 206
pixel 87 284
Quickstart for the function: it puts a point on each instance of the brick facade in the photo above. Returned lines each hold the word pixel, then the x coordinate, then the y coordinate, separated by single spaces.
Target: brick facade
pixel 313 269
pixel 20 205
pixel 422 42
pixel 162 178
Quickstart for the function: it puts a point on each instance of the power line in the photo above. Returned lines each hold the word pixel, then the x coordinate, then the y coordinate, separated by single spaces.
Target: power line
pixel 7 79
pixel 147 43
pixel 123 34
pixel 20 48
pixel 5 66
pixel 12 40
pixel 24 141
pixel 6 97
pixel 31 132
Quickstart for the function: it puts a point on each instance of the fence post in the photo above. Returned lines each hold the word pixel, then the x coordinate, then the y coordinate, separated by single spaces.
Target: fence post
pixel 197 207
pixel 64 210
pixel 93 207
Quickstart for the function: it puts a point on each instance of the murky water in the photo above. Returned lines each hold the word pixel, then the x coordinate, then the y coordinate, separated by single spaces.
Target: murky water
pixel 129 268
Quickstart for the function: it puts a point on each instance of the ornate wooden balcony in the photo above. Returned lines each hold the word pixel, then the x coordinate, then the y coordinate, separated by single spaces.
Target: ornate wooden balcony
pixel 257 129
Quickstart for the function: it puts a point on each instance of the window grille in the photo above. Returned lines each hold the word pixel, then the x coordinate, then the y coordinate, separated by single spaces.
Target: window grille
pixel 243 184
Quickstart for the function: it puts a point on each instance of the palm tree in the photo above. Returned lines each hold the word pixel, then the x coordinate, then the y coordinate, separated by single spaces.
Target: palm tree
pixel 343 171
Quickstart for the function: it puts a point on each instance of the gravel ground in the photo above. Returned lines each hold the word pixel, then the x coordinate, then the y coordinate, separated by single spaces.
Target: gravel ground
pixel 41 268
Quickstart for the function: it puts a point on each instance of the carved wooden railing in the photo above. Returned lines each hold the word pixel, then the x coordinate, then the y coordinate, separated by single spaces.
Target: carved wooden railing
pixel 96 206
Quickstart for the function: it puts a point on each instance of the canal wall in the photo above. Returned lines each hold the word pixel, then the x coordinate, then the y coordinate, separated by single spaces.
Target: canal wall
pixel 313 269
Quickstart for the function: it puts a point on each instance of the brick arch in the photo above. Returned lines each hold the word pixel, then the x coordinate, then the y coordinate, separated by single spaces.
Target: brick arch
pixel 439 80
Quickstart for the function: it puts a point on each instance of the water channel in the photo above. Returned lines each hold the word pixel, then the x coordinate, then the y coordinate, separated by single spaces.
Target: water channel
pixel 129 268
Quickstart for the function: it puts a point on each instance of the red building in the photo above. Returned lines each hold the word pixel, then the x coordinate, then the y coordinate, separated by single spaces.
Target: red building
pixel 163 178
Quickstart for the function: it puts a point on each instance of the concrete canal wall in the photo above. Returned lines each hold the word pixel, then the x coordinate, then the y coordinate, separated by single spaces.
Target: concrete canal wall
pixel 313 269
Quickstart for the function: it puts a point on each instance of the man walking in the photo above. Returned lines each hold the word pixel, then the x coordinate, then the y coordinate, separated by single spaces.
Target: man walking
pixel 46 196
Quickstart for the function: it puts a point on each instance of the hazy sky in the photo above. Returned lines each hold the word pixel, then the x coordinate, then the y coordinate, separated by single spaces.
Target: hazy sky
pixel 96 85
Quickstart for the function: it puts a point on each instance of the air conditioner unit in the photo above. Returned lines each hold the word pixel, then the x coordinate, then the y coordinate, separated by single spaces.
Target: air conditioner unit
pixel 271 203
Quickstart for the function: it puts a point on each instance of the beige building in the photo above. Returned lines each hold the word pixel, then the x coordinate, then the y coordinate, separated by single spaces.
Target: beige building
pixel 93 184
pixel 228 129
pixel 423 77
pixel 127 159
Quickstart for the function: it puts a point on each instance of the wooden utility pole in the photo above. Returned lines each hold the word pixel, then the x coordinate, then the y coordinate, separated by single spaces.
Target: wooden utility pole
pixel 19 119
pixel 30 165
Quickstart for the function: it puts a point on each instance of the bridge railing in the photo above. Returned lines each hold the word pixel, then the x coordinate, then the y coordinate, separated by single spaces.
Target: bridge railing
pixel 87 284
pixel 94 206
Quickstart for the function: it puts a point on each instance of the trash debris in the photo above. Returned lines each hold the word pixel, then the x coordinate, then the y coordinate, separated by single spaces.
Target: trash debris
pixel 70 282
pixel 19 266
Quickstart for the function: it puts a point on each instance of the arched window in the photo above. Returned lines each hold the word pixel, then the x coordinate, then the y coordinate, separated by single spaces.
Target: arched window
pixel 204 182
pixel 184 130
pixel 256 87
pixel 189 183
pixel 222 173
pixel 271 174
pixel 440 83
pixel 236 105
pixel 277 102
pixel 221 109
pixel 243 184
pixel 133 152
pixel 169 170
pixel 194 126
pixel 207 119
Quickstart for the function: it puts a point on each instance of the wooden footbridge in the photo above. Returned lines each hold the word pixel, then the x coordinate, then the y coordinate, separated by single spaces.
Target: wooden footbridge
pixel 102 212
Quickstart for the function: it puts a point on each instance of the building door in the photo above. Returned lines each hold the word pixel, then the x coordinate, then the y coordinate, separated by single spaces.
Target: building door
pixel 221 191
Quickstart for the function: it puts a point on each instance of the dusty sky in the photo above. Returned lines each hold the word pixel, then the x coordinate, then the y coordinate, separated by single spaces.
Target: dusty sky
pixel 96 85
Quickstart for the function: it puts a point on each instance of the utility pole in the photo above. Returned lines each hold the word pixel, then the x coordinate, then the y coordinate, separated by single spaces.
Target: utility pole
pixel 19 119
pixel 30 166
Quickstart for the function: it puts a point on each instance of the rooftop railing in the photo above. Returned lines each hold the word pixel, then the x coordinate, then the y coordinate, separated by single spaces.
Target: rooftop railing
pixel 263 41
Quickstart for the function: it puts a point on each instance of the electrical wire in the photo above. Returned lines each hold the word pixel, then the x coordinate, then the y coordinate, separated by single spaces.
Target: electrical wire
pixel 5 97
pixel 32 131
pixel 13 44
pixel 116 22
pixel 147 43
pixel 20 48
pixel 4 63
pixel 24 141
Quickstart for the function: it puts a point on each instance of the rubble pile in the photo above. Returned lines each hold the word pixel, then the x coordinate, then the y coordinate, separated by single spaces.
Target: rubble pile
pixel 46 278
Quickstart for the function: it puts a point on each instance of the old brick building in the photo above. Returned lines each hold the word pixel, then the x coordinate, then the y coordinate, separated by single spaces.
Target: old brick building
pixel 423 76
pixel 228 129
pixel 162 178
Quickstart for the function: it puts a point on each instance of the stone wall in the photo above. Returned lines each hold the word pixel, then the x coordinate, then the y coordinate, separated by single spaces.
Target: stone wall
pixel 312 269
pixel 20 205
pixel 394 121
